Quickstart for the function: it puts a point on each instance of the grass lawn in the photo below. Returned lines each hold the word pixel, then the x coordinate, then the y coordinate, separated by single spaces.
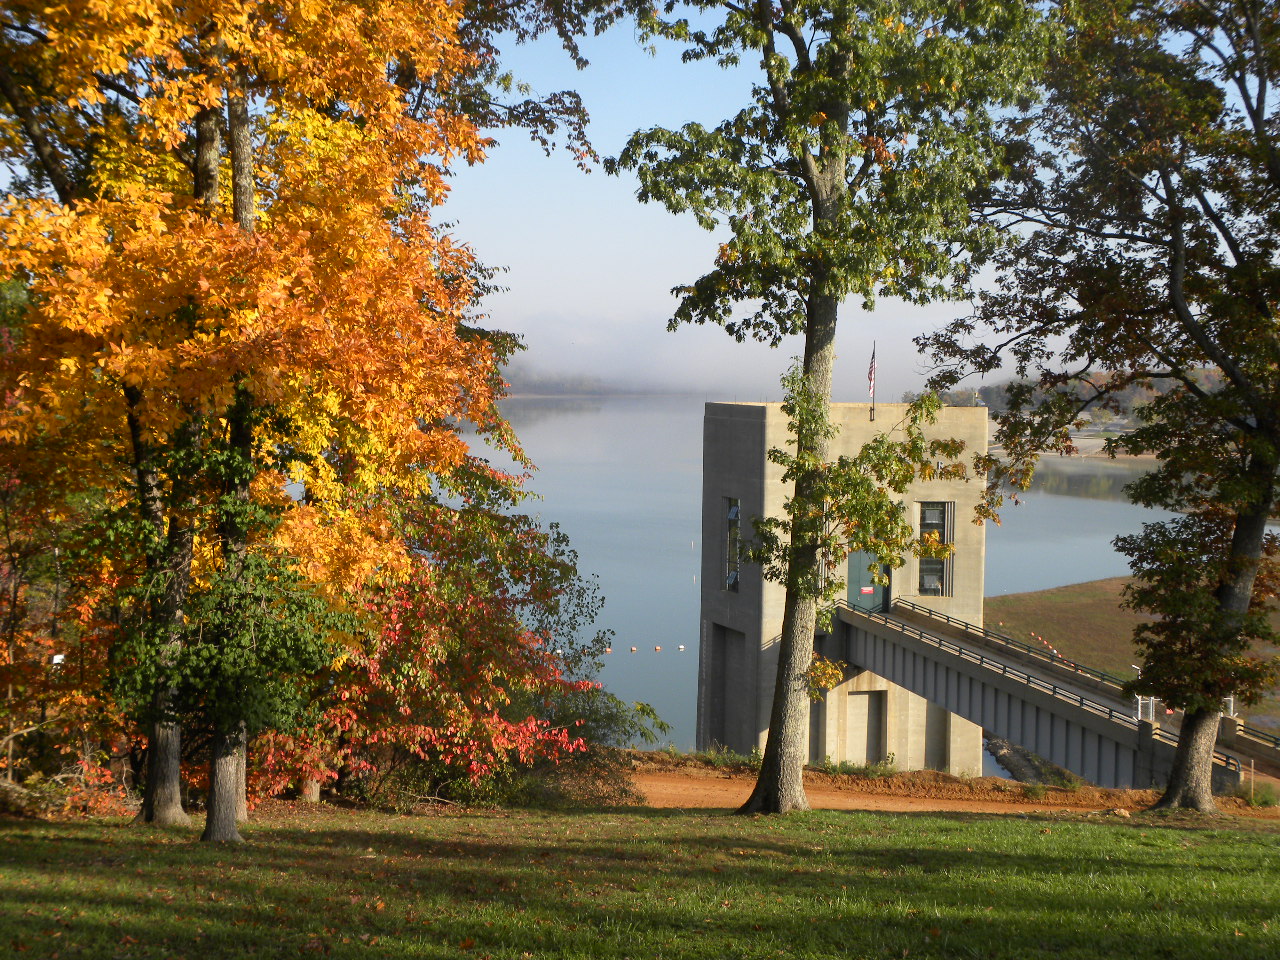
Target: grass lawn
pixel 1085 622
pixel 644 884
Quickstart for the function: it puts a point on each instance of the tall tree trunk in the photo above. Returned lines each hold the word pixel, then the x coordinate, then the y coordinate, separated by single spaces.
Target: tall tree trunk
pixel 780 784
pixel 1191 779
pixel 227 798
pixel 243 185
pixel 162 796
pixel 220 824
pixel 208 156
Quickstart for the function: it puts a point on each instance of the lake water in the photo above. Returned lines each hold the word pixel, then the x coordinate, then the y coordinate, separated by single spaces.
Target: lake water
pixel 623 478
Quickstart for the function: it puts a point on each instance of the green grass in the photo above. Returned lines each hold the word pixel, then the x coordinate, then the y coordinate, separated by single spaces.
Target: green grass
pixel 644 884
pixel 876 771
pixel 1085 622
pixel 721 757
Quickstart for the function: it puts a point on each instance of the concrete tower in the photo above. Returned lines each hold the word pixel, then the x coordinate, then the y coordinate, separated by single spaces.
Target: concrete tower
pixel 864 719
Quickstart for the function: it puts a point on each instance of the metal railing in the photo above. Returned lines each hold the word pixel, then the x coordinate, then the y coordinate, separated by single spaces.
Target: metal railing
pixel 1007 641
pixel 1270 739
pixel 1253 733
pixel 1036 683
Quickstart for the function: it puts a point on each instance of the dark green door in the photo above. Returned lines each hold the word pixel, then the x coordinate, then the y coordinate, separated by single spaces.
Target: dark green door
pixel 864 594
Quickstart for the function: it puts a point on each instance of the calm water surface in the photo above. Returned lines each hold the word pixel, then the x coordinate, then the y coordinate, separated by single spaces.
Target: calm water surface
pixel 623 476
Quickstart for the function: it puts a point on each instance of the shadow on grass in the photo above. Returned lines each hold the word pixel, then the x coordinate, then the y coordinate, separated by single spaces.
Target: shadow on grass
pixel 640 883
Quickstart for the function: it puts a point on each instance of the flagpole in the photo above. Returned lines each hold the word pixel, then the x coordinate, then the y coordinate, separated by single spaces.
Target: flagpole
pixel 871 380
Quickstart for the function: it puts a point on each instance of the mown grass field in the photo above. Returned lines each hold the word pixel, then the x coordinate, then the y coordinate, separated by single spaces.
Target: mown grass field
pixel 645 884
pixel 1085 622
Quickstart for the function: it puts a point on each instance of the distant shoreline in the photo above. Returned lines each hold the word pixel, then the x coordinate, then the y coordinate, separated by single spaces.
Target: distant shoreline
pixel 604 395
pixel 1090 448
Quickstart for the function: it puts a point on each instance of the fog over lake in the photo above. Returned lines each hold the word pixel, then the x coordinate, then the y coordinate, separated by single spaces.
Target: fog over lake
pixel 623 477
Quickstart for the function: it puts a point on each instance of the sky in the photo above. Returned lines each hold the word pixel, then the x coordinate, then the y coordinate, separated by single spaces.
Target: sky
pixel 590 268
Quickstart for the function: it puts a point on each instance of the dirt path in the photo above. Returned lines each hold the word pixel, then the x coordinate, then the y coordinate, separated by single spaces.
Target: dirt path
pixel 691 787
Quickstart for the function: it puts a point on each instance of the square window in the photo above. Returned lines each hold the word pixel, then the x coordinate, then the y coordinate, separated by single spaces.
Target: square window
pixel 934 518
pixel 933 576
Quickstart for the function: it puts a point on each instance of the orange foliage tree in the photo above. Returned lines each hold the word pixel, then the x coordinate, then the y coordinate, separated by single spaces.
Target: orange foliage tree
pixel 241 320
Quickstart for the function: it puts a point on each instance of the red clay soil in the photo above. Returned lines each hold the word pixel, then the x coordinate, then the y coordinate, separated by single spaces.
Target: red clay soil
pixel 676 782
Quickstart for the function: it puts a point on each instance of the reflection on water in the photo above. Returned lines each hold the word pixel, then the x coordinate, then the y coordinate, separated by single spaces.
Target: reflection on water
pixel 622 476
pixel 523 412
pixel 1062 530
pixel 1096 478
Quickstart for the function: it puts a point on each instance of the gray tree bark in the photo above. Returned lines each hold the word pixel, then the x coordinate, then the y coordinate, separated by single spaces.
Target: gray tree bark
pixel 227 799
pixel 1191 779
pixel 162 795
pixel 780 784
pixel 224 784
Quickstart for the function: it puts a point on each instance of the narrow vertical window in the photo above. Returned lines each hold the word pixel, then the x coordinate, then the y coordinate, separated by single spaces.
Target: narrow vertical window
pixel 936 518
pixel 732 542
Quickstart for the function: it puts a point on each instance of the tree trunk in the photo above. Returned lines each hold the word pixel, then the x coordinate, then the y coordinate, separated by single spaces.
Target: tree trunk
pixel 54 167
pixel 224 784
pixel 1191 780
pixel 208 156
pixel 170 554
pixel 162 796
pixel 242 782
pixel 243 181
pixel 780 784
pixel 309 790
pixel 228 803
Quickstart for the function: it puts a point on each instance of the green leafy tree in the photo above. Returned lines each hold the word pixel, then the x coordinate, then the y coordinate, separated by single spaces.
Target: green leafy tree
pixel 1146 201
pixel 858 498
pixel 846 174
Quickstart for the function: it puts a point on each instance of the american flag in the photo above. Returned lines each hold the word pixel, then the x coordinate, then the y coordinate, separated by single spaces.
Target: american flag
pixel 871 374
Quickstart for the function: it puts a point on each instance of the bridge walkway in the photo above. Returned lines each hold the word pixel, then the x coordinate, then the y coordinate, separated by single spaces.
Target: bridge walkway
pixel 1098 740
pixel 1246 742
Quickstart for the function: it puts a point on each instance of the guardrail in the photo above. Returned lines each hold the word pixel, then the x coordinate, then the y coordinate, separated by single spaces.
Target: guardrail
pixel 1036 683
pixel 1008 641
pixel 1272 740
pixel 1253 733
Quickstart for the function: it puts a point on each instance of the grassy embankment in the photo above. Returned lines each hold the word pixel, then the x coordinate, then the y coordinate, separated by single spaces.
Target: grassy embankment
pixel 644 884
pixel 1085 623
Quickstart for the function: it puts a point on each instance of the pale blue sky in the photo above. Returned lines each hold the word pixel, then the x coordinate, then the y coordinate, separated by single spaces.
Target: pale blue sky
pixel 591 269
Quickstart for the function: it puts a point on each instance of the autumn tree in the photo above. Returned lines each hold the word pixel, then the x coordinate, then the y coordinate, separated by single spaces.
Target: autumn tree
pixel 1145 207
pixel 469 645
pixel 846 174
pixel 235 285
